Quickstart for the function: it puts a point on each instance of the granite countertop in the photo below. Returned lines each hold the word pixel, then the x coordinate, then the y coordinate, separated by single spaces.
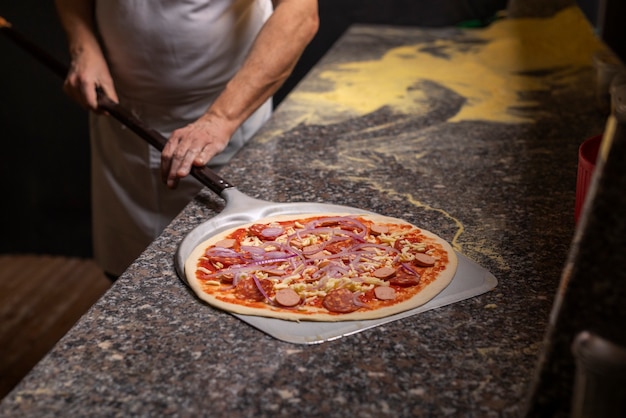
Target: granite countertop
pixel 464 132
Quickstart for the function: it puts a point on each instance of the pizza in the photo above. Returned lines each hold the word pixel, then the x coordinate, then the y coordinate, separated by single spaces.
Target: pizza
pixel 321 267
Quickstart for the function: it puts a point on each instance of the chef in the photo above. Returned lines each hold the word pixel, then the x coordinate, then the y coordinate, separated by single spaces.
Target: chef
pixel 201 72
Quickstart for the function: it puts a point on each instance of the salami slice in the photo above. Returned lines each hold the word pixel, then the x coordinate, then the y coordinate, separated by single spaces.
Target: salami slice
pixel 340 301
pixel 248 290
pixel 404 279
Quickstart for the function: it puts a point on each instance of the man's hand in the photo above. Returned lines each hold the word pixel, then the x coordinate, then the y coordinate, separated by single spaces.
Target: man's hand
pixel 193 145
pixel 87 71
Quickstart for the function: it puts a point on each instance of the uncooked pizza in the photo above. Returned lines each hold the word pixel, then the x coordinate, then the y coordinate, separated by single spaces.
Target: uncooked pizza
pixel 331 267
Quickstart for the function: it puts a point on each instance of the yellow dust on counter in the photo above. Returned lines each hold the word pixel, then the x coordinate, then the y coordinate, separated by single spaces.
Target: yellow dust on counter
pixel 490 71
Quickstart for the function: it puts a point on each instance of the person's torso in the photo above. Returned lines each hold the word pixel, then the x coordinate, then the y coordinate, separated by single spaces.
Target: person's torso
pixel 177 51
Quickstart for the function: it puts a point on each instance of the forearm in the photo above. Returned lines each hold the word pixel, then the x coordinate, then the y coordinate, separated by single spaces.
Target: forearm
pixel 272 58
pixel 76 17
pixel 273 55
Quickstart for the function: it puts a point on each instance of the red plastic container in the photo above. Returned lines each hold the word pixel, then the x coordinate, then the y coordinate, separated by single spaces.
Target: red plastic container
pixel 587 156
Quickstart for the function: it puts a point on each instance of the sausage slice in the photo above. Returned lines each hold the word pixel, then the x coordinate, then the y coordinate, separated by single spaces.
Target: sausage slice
pixel 424 260
pixel 384 272
pixel 385 293
pixel 225 243
pixel 378 229
pixel 287 297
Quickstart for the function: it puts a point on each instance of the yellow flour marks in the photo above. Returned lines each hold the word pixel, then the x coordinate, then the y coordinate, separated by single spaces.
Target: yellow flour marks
pixel 459 225
pixel 477 246
pixel 490 74
pixel 487 250
pixel 566 39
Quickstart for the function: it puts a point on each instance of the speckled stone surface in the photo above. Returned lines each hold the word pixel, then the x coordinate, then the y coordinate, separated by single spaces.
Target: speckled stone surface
pixel 592 294
pixel 503 193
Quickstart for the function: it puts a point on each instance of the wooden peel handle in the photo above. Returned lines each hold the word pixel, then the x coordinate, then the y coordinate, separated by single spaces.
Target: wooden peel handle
pixel 43 56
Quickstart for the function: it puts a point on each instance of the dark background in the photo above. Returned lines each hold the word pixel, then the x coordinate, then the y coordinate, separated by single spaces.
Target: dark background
pixel 44 157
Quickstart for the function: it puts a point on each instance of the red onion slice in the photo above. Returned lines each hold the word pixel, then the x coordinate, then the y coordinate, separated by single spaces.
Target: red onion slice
pixel 258 285
pixel 252 249
pixel 410 269
pixel 221 252
pixel 271 260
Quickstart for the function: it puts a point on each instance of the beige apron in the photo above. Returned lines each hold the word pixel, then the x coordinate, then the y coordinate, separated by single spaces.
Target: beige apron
pixel 169 60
